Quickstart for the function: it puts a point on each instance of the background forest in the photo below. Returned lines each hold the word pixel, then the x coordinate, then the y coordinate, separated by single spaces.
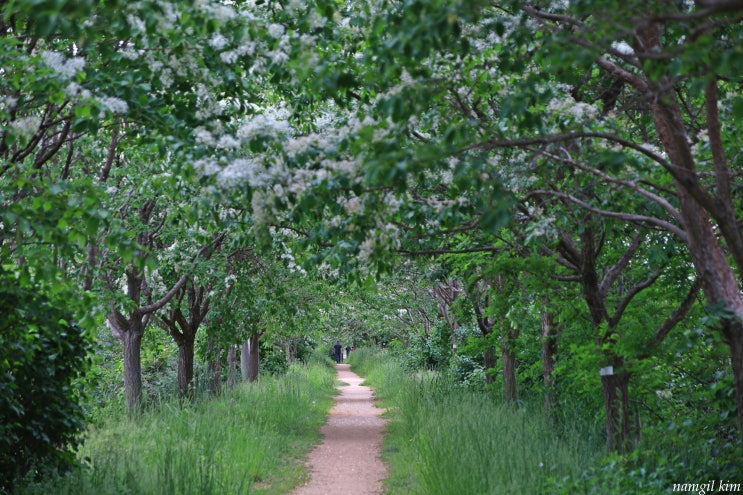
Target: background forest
pixel 535 204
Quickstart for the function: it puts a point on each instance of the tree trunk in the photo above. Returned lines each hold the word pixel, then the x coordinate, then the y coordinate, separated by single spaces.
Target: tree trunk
pixel 550 335
pixel 185 368
pixel 132 341
pixel 232 366
pixel 254 357
pixel 214 366
pixel 719 281
pixel 490 362
pixel 734 340
pixel 244 360
pixel 445 295
pixel 288 351
pixel 615 387
pixel 479 296
pixel 130 331
pixel 508 356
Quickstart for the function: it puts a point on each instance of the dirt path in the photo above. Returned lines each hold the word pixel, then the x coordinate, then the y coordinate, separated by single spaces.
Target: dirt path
pixel 348 459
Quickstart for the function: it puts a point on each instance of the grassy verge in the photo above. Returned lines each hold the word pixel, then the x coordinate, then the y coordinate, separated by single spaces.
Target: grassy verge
pixel 445 440
pixel 248 441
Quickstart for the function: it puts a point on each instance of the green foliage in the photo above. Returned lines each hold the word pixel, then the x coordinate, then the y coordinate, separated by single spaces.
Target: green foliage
pixel 43 355
pixel 252 448
pixel 274 361
pixel 468 371
pixel 425 352
pixel 329 137
pixel 498 448
pixel 106 393
pixel 654 471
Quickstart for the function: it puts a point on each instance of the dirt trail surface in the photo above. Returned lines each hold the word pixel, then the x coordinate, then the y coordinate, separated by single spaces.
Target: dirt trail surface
pixel 347 461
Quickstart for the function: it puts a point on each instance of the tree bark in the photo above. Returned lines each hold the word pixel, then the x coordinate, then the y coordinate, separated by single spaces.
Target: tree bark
pixel 254 358
pixel 232 366
pixel 183 328
pixel 244 360
pixel 445 295
pixel 289 351
pixel 131 339
pixel 479 296
pixel 550 336
pixel 719 282
pixel 491 360
pixel 615 387
pixel 130 332
pixel 595 291
pixel 185 368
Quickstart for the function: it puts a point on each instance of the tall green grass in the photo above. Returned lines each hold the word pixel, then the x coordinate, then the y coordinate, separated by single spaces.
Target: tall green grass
pixel 249 440
pixel 445 440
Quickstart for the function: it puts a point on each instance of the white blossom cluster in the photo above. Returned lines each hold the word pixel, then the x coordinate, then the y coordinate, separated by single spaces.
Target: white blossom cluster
pixel 7 102
pixel 266 125
pixel 76 92
pixel 386 236
pixel 623 47
pixel 24 127
pixel 64 67
pixel 113 104
pixel 155 282
pixel 223 13
pixel 566 106
pixel 291 262
pixel 244 170
pixel 328 272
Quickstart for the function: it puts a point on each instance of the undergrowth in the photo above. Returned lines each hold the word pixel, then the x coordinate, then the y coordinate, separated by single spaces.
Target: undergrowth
pixel 249 440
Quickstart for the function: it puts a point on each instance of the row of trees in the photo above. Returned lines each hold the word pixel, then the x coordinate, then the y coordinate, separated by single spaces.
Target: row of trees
pixel 154 153
pixel 564 142
pixel 108 112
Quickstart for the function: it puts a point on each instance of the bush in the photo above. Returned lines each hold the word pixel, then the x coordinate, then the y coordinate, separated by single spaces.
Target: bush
pixel 41 356
pixel 428 352
pixel 468 372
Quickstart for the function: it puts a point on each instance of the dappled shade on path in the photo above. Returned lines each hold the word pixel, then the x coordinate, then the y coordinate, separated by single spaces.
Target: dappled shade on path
pixel 347 461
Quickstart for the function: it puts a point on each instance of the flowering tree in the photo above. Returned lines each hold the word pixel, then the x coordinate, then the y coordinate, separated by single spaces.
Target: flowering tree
pixel 364 130
pixel 459 106
pixel 100 103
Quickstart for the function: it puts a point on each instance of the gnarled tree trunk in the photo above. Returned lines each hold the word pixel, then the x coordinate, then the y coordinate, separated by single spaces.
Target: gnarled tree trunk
pixel 183 328
pixel 699 205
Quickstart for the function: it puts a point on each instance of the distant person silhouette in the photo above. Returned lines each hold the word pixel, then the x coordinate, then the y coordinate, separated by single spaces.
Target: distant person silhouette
pixel 338 349
pixel 348 351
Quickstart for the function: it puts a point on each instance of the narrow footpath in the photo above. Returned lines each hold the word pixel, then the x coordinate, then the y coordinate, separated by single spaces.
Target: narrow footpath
pixel 347 461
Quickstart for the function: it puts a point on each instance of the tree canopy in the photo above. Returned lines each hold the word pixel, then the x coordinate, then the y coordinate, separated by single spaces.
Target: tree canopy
pixel 246 166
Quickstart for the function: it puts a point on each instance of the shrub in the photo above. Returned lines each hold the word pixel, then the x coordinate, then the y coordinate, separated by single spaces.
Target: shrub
pixel 42 353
